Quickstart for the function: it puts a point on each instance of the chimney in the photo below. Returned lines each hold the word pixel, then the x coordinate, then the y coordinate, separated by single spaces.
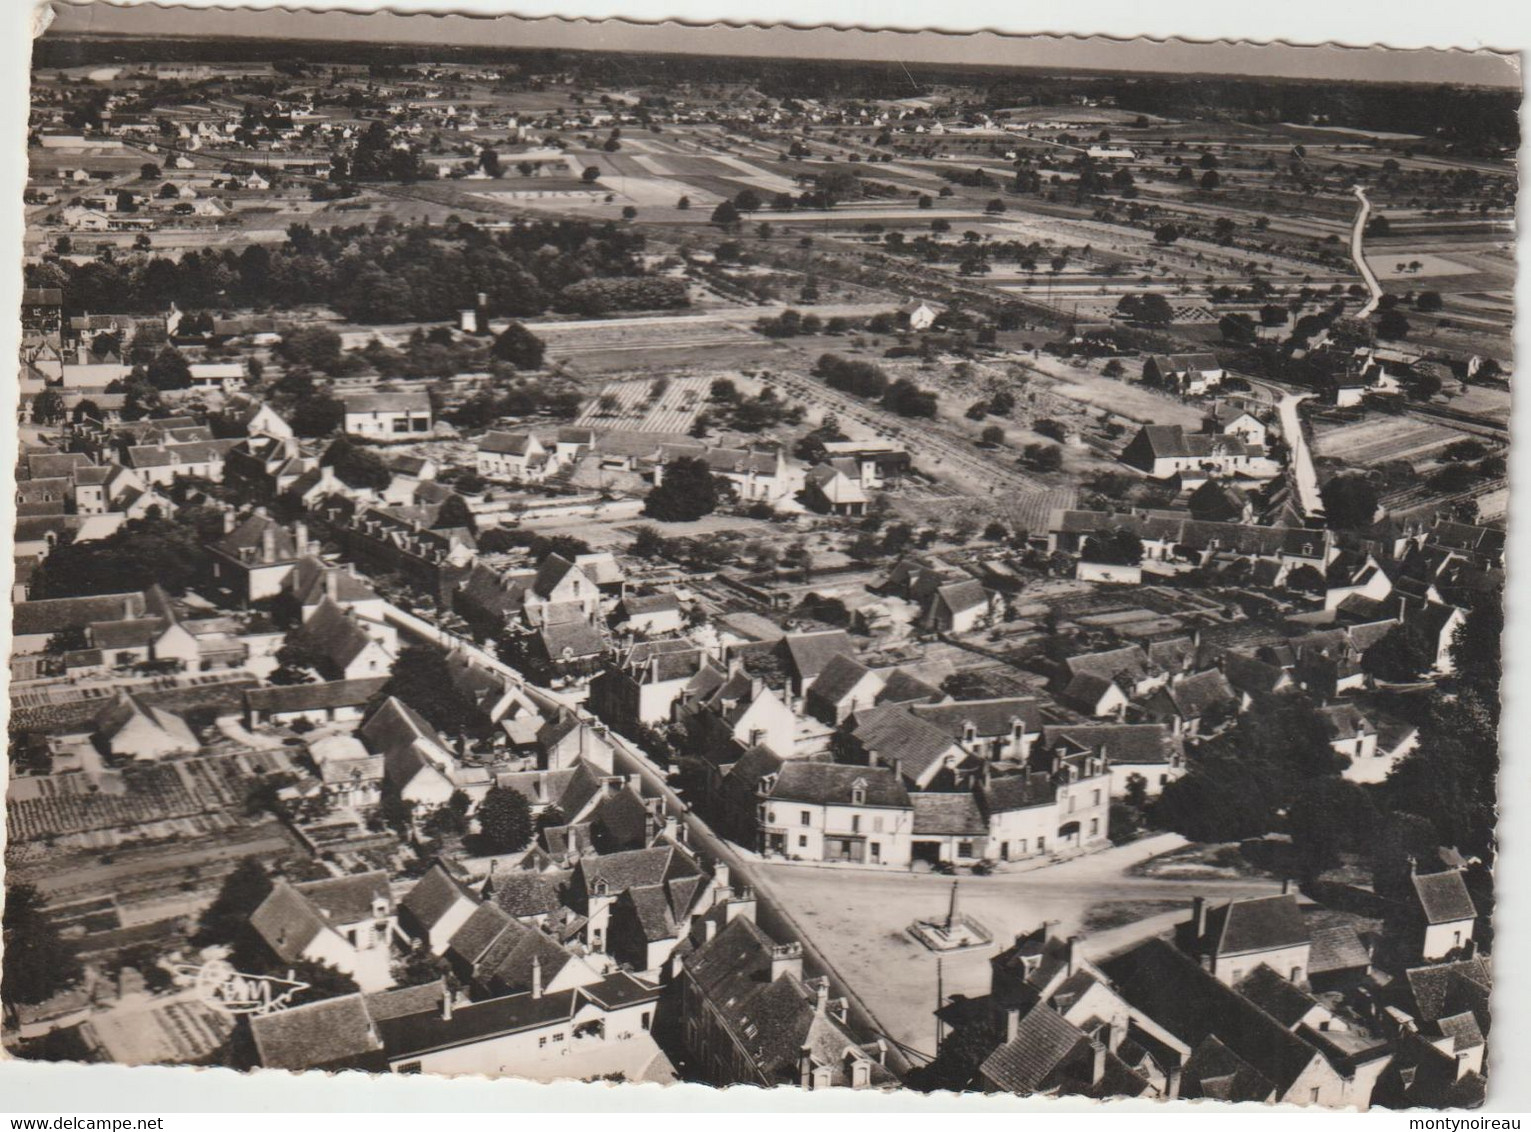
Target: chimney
pixel 446 1004
pixel 1097 1062
pixel 300 536
pixel 709 929
pixel 805 1068
pixel 229 518
pixel 786 958
pixel 821 994
pixel 268 544
pixel 1286 886
pixel 1071 956
pixel 332 585
pixel 1172 1083
pixel 1199 916
pixel 1012 1023
pixel 536 977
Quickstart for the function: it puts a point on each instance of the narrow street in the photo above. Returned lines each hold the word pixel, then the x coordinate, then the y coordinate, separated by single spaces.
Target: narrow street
pixel 1357 234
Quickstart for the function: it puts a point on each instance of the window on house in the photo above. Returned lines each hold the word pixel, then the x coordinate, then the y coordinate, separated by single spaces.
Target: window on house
pixel 876 825
pixel 1041 844
pixel 964 848
pixel 1313 1095
pixel 1071 804
pixel 542 1041
pixel 1094 827
pixel 802 841
pixel 855 823
pixel 558 1037
pixel 1096 802
pixel 644 1020
pixel 804 818
pixel 1296 974
pixel 409 1067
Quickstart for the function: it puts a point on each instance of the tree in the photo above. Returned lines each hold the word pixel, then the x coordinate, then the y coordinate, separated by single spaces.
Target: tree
pixel 1328 817
pixel 687 491
pixel 648 542
pixel 422 679
pixel 1350 501
pixel 141 553
pixel 169 370
pixel 518 346
pixel 1392 324
pixel 1120 547
pixel 48 407
pixel 504 821
pixel 726 215
pixel 37 963
pixel 591 175
pixel 148 171
pixel 1210 180
pixel 227 917
pixel 684 204
pixel 489 162
pixel 356 465
pixel 1405 654
pixel 994 435
pixel 1043 457
pixel 1428 301
pixel 1166 233
pixel 629 212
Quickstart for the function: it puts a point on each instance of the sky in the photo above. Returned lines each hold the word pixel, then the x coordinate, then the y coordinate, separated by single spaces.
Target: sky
pixel 1094 53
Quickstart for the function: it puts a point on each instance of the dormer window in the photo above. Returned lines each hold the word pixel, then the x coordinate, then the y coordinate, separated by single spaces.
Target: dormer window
pixel 598 888
pixel 969 733
pixel 859 792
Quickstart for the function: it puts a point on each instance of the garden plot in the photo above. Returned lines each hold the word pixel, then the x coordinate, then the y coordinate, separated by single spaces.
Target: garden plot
pixel 577 339
pixel 1400 265
pixel 631 405
pixel 1379 440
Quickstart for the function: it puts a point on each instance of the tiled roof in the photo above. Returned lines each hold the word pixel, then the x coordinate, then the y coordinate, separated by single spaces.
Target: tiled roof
pixel 1043 1040
pixel 334 1032
pixel 1123 743
pixel 990 718
pixel 948 814
pixel 1192 1004
pixel 386 402
pixel 1017 792
pixel 896 735
pixel 1258 923
pixel 1283 1001
pixel 833 784
pixel 349 899
pixel 1443 897
pixel 810 653
pixel 903 688
pixel 287 922
pixel 313 697
pixel 1337 948
pixel 56 614
pixel 433 895
pixel 838 679
pixel 1432 986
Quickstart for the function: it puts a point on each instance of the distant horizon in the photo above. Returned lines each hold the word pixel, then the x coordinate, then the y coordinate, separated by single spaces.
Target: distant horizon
pixel 1455 66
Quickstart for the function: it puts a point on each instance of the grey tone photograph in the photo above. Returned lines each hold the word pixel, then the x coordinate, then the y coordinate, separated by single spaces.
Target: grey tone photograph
pixel 643 553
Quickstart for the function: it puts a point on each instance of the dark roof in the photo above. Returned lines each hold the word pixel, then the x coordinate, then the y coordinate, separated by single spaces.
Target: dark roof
pixel 810 653
pixel 349 899
pixel 416 1034
pixel 988 717
pixel 832 784
pixel 1337 948
pixel 336 1032
pixel 1192 1004
pixel 903 688
pixel 838 679
pixel 55 614
pixel 1043 1040
pixel 897 736
pixel 1283 1001
pixel 1258 923
pixel 313 697
pixel 1432 986
pixel 287 922
pixel 1127 743
pixel 1443 897
pixel 433 895
pixel 1018 792
pixel 948 814
pixel 523 894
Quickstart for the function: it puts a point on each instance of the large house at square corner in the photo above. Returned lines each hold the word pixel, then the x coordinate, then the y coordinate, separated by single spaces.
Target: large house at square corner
pixel 343 922
pixel 387 416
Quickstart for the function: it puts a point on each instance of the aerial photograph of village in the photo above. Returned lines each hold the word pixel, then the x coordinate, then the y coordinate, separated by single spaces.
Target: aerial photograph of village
pixel 603 564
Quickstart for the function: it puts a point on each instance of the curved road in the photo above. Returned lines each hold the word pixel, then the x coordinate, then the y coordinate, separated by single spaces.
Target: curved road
pixel 1356 234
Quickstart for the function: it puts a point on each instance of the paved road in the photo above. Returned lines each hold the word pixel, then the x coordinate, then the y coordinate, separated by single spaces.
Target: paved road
pixel 857 920
pixel 1304 473
pixel 1357 233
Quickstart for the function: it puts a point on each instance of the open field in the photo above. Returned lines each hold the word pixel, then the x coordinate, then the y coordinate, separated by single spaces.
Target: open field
pixel 1379 439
